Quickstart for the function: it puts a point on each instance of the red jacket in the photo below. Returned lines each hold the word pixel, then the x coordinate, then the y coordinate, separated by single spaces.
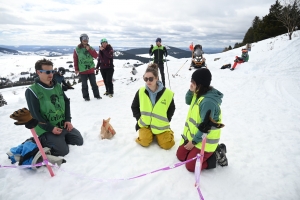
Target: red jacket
pixel 75 59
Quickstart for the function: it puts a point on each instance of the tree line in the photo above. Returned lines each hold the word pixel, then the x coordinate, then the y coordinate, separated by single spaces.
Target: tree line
pixel 283 17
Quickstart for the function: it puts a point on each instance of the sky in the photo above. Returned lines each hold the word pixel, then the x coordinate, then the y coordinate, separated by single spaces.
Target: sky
pixel 128 23
pixel 260 110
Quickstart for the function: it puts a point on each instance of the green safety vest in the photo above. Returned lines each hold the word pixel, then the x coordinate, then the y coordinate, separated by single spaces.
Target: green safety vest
pixel 155 116
pixel 85 60
pixel 191 127
pixel 52 105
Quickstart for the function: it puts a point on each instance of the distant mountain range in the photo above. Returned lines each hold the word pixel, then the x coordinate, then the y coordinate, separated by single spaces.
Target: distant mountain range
pixel 119 52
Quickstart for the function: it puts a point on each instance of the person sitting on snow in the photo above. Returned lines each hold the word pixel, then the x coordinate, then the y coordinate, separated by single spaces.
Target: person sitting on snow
pixel 59 77
pixel 242 59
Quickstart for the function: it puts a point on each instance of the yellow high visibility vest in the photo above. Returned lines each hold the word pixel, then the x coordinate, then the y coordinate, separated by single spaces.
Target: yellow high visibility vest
pixel 191 127
pixel 155 116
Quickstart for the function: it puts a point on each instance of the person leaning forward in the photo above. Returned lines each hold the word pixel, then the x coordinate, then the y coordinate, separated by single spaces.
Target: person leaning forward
pixel 49 105
pixel 84 65
pixel 153 107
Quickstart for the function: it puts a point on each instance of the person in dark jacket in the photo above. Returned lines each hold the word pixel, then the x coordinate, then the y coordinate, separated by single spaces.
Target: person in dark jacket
pixel 159 51
pixel 49 105
pixel 83 57
pixel 59 77
pixel 106 65
pixel 153 107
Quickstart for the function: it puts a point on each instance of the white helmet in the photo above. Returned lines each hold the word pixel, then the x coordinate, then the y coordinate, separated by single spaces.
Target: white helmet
pixel 83 35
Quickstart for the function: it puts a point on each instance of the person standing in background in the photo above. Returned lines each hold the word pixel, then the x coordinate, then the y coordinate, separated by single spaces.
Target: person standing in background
pixel 106 65
pixel 159 52
pixel 83 57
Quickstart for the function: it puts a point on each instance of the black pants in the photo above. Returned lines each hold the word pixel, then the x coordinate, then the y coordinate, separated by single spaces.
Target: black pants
pixel 85 87
pixel 162 73
pixel 59 143
pixel 107 75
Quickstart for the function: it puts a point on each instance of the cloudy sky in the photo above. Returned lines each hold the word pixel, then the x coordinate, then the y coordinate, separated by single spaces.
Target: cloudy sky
pixel 128 23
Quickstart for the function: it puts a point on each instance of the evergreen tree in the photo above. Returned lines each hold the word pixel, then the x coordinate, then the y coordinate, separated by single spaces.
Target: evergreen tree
pixel 2 101
pixel 229 48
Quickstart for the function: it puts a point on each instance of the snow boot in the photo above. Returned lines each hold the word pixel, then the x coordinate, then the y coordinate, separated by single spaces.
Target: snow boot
pixel 221 155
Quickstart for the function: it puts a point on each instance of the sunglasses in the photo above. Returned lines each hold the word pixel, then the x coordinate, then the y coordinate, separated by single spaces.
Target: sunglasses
pixel 84 38
pixel 48 71
pixel 148 79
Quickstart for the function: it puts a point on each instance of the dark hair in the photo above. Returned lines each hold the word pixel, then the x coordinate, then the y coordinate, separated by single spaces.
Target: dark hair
pixel 153 68
pixel 201 90
pixel 39 63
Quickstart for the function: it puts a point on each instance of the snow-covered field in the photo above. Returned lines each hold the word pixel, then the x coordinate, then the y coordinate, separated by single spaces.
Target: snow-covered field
pixel 261 113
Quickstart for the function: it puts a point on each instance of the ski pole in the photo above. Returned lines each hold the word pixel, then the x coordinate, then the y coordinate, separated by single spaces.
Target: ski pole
pixel 168 72
pixel 179 69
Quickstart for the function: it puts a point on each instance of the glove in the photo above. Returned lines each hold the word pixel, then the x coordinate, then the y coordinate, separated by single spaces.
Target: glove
pixel 97 71
pixel 208 123
pixel 70 87
pixel 24 117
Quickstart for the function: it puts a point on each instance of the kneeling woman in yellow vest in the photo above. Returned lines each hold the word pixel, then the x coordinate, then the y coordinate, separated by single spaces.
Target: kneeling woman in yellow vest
pixel 201 97
pixel 153 107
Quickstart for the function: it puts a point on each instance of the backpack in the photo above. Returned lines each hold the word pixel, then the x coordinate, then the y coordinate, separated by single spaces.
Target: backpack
pixel 28 153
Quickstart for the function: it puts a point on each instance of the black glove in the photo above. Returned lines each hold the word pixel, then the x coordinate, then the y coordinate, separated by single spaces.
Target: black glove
pixel 97 72
pixel 32 123
pixel 208 123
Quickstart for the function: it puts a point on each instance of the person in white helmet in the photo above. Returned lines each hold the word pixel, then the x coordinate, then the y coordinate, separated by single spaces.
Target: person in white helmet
pixel 83 57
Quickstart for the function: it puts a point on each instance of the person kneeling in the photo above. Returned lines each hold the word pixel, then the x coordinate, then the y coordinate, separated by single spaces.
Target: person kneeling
pixel 153 107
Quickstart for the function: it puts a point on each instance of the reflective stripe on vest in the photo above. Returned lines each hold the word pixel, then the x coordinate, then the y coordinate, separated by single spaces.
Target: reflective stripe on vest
pixel 191 127
pixel 155 117
pixel 85 60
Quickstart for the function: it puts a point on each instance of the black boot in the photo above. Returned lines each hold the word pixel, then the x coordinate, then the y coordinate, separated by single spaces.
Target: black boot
pixel 221 155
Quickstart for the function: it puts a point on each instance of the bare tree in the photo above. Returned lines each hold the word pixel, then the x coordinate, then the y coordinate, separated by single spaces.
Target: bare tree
pixel 289 15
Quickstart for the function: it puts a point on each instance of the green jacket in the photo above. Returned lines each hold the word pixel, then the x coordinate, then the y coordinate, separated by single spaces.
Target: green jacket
pixel 212 101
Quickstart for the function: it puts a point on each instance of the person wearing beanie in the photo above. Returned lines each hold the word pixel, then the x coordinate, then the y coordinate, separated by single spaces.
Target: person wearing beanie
pixel 83 58
pixel 202 97
pixel 106 65
pixel 153 107
pixel 159 52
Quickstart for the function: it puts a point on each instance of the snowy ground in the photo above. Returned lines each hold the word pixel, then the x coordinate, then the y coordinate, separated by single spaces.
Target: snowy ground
pixel 261 111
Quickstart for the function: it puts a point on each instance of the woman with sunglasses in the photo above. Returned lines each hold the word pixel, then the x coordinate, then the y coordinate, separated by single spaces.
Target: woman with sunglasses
pixel 153 107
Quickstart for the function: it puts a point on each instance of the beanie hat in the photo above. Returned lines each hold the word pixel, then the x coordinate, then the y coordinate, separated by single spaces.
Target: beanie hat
pixel 158 40
pixel 202 76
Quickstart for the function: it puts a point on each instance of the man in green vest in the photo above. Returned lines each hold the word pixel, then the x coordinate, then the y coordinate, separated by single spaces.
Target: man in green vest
pixel 159 51
pixel 202 97
pixel 83 57
pixel 50 106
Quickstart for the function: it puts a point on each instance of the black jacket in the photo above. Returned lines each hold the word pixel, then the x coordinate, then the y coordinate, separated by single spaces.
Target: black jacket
pixel 135 106
pixel 158 54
